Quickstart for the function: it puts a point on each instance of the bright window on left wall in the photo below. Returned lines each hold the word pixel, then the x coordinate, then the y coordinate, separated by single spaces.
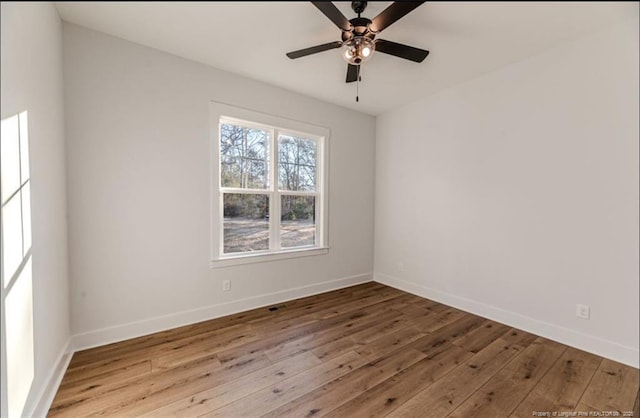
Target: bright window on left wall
pixel 16 285
pixel 270 181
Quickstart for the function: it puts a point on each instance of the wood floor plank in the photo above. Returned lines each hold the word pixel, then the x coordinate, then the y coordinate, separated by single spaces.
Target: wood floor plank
pixel 332 395
pixel 507 388
pixel 388 324
pixel 335 348
pixel 325 307
pixel 518 337
pixel 441 338
pixel 388 395
pixel 437 320
pixel 274 396
pixel 420 312
pixel 614 387
pixel 285 314
pixel 446 394
pixel 326 335
pixel 121 395
pixel 339 325
pixel 365 350
pixel 358 304
pixel 355 339
pixel 203 347
pixel 223 394
pixel 561 388
pixel 481 337
pixel 96 384
pixel 403 301
pixel 388 343
pixel 412 309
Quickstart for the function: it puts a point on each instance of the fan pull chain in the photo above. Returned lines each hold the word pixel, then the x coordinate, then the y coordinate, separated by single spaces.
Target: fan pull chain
pixel 358 85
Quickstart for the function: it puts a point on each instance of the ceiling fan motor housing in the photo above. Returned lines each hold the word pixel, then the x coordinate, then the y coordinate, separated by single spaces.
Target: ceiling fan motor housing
pixel 360 25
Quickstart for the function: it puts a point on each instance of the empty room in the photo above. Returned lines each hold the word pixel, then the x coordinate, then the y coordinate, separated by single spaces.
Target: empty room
pixel 343 209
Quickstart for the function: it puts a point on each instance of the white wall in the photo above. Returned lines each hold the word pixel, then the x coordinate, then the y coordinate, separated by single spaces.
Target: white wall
pixel 138 155
pixel 32 80
pixel 515 195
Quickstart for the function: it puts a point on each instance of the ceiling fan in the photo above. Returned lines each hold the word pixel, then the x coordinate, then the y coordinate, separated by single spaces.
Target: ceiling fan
pixel 359 35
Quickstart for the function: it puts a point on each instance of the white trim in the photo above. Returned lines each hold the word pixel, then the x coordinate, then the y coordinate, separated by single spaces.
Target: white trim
pixel 41 403
pixel 265 256
pixel 596 345
pixel 161 323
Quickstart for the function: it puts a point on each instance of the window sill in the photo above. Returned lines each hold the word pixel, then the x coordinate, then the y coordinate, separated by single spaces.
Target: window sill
pixel 236 260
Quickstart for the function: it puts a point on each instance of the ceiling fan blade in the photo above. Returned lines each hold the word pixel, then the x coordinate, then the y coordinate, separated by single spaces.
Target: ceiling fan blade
pixel 392 14
pixel 400 50
pixel 314 50
pixel 353 72
pixel 332 12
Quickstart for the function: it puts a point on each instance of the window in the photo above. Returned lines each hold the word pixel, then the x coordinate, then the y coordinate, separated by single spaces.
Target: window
pixel 16 283
pixel 270 197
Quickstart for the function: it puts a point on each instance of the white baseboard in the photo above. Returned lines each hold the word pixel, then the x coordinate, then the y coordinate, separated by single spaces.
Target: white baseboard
pixel 608 349
pixel 148 326
pixel 42 402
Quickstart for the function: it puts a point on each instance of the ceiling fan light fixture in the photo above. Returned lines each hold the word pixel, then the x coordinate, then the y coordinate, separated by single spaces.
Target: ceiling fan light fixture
pixel 358 50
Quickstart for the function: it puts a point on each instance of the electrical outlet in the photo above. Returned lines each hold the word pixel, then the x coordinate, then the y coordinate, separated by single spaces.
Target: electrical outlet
pixel 226 285
pixel 582 311
pixel 400 266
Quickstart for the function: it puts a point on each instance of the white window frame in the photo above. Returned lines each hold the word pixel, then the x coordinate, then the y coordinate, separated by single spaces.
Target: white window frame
pixel 276 126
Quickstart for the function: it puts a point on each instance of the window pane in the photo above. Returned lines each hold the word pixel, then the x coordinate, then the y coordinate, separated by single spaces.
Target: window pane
pixel 10 157
pixel 298 221
pixel 296 163
pixel 11 237
pixel 246 222
pixel 26 216
pixel 24 146
pixel 244 157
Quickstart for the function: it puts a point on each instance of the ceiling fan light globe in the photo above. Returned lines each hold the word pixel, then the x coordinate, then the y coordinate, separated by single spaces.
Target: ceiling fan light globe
pixel 357 50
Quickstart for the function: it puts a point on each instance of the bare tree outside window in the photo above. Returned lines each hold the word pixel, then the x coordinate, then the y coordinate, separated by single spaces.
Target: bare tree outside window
pixel 296 163
pixel 244 157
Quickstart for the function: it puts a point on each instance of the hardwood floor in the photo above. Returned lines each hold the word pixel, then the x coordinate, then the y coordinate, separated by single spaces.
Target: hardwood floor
pixel 367 350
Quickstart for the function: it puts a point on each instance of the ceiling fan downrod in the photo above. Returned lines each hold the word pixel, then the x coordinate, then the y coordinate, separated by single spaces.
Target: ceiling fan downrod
pixel 358 6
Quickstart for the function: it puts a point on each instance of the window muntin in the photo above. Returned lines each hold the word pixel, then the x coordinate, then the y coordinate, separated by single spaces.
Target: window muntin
pixel 270 190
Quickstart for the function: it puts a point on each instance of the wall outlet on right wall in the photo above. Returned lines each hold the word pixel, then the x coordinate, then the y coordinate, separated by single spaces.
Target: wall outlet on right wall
pixel 582 311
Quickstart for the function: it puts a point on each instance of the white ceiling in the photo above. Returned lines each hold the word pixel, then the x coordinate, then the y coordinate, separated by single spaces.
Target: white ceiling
pixel 466 39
